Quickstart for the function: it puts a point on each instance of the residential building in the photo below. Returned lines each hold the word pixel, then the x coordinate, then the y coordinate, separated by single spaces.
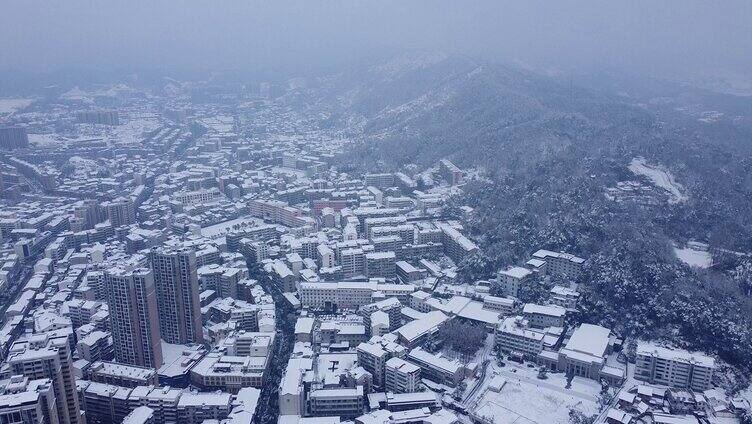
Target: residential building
pixel 674 367
pixel 560 264
pixel 178 305
pixel 381 264
pixel 23 400
pixel 48 356
pixel 456 245
pixel 502 305
pixel 342 402
pixel 436 368
pixel 512 278
pixel 401 376
pixel 515 337
pixel 134 321
pixel 542 316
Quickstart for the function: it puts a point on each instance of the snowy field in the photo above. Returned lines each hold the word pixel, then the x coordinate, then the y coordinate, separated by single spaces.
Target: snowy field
pixel 132 132
pixel 694 256
pixel 43 140
pixel 221 228
pixel 299 173
pixel 12 105
pixel 525 399
pixel 659 177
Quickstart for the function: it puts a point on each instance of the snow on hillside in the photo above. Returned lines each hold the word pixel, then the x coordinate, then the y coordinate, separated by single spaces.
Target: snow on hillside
pixel 659 177
pixel 695 255
pixel 12 105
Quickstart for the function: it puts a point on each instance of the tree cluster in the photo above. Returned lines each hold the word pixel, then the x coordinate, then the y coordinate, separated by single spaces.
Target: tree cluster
pixel 462 337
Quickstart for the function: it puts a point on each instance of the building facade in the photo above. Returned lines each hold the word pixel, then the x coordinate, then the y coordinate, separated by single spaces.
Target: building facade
pixel 134 321
pixel 178 305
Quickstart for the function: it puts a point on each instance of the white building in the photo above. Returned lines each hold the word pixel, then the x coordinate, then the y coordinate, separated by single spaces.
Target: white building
pixel 512 278
pixel 515 337
pixel 437 368
pixel 198 197
pixel 673 367
pixel 542 316
pixel 401 376
pixel 325 256
pixel 350 295
pixel 502 305
pixel 564 297
pixel 343 402
pixel 560 264
pixel 217 371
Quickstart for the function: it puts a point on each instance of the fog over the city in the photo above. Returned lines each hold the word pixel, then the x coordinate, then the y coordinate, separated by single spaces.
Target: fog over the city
pixel 376 212
pixel 679 38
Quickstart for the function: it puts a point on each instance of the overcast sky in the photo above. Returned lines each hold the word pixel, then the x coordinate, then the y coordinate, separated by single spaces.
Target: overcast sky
pixel 650 36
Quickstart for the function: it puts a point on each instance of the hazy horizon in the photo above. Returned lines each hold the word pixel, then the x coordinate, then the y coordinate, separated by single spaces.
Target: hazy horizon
pixel 669 39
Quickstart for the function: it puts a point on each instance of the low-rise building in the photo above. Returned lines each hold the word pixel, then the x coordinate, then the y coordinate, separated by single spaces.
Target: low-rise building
pixel 511 279
pixel 673 367
pixel 343 402
pixel 401 376
pixel 515 337
pixel 437 368
pixel 542 316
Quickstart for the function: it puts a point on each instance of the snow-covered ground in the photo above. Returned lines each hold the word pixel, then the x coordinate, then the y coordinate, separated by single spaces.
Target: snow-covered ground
pixel 525 399
pixel 659 177
pixel 132 131
pixel 298 173
pixel 746 394
pixel 42 140
pixel 223 227
pixel 694 255
pixel 12 105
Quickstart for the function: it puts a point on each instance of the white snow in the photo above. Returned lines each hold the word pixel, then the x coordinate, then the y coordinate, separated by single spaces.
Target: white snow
pixel 659 177
pixel 223 227
pixel 171 352
pixel 746 394
pixel 12 105
pixel 133 130
pixel 525 399
pixel 694 256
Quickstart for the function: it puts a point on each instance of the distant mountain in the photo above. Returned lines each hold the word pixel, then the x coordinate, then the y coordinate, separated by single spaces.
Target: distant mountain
pixel 478 114
pixel 513 123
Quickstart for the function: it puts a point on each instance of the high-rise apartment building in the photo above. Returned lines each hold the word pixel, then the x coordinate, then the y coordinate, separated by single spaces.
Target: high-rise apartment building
pixel 100 117
pixel 48 356
pixel 132 300
pixel 120 211
pixel 13 138
pixel 178 305
pixel 27 401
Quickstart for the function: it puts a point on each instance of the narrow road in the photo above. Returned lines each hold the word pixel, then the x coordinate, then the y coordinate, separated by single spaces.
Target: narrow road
pixel 267 411
pixel 487 348
pixel 10 295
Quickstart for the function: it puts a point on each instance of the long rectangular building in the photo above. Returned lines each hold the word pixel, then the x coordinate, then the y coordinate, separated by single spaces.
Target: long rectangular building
pixel 673 367
pixel 350 295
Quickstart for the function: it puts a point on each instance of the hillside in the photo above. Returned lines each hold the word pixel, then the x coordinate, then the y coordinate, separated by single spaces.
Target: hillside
pixel 552 151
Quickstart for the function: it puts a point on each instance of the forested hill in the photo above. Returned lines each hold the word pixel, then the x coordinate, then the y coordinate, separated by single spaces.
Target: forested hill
pixel 555 155
pixel 479 114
